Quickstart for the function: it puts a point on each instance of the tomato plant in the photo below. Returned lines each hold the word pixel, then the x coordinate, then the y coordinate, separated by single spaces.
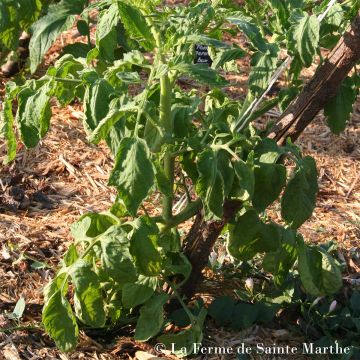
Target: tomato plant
pixel 198 145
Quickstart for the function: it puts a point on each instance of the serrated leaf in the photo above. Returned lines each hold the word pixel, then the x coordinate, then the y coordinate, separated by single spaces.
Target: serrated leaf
pixel 318 271
pixel 118 108
pixel 60 323
pixel 134 294
pixel 298 201
pixel 136 25
pixel 222 57
pixel 246 180
pixel 77 50
pixel 115 257
pixel 201 73
pixel 339 108
pixel 210 183
pixel 206 40
pixel 96 103
pixel 267 151
pixel 305 34
pixel 249 236
pixel 91 225
pixel 88 301
pixel 70 256
pixel 144 247
pixel 281 261
pixel 34 113
pixel 263 66
pixel 133 174
pixel 106 35
pixel 59 18
pixel 151 318
pixel 335 15
pixel 66 68
pixel 269 181
pixel 246 25
pixel 7 128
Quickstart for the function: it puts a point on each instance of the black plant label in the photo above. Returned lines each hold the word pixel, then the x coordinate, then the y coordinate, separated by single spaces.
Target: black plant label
pixel 202 55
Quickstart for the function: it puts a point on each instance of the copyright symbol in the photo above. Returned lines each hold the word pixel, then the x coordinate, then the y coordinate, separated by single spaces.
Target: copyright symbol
pixel 159 348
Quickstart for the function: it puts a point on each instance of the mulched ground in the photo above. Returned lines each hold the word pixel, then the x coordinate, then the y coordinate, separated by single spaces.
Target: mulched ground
pixel 48 188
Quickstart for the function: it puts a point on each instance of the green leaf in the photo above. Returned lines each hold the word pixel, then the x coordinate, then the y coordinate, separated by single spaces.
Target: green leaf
pixel 298 201
pixel 305 34
pixel 318 271
pixel 144 247
pixel 29 11
pixel 269 181
pixel 91 225
pixel 221 310
pixel 19 309
pixel 77 50
pixel 244 316
pixel 183 342
pixel 249 236
pixel 7 126
pixel 115 257
pixel 70 256
pixel 83 27
pixel 177 264
pixel 268 152
pixel 66 68
pixel 226 170
pixel 134 294
pixel 133 174
pixel 335 16
pixel 106 35
pixel 282 260
pixel 246 180
pixel 60 323
pixel 246 25
pixel 151 318
pixel 34 113
pixel 56 284
pixel 59 18
pixel 136 25
pixel 88 301
pixel 210 184
pixel 339 108
pixel 222 57
pixel 118 109
pixel 96 103
pixel 205 40
pixel 201 73
pixel 263 66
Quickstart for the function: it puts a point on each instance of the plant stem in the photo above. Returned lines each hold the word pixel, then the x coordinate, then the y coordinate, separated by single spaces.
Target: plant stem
pixel 190 211
pixel 167 125
pixel 71 81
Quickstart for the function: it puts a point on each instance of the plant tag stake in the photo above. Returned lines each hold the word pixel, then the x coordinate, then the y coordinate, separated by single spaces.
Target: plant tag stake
pixel 202 55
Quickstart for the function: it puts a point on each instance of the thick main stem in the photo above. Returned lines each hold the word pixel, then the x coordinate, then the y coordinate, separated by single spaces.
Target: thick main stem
pixel 166 123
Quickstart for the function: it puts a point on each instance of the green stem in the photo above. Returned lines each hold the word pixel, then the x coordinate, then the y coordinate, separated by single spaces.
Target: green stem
pixel 181 301
pixel 70 81
pixel 167 125
pixel 190 211
pixel 144 97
